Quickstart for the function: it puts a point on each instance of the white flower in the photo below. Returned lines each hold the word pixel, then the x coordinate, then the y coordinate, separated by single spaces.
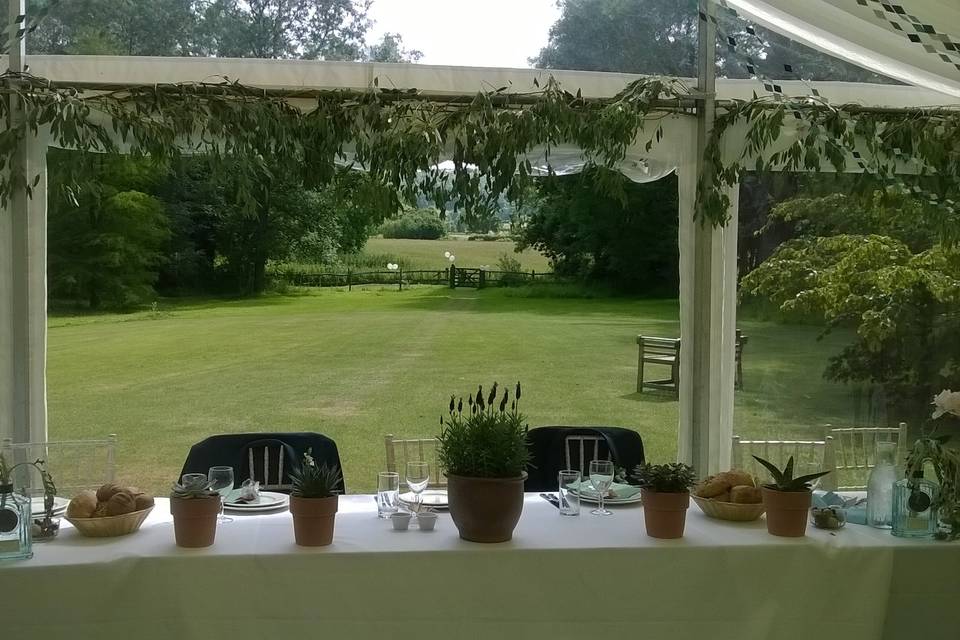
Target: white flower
pixel 946 401
pixel 446 254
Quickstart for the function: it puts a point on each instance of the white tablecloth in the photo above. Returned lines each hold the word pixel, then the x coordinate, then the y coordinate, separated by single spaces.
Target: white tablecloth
pixel 561 577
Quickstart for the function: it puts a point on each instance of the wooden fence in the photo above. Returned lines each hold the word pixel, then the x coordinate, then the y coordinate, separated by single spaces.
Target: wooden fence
pixel 451 276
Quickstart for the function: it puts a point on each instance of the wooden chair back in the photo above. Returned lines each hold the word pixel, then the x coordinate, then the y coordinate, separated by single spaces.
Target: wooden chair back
pixel 579 450
pixel 856 451
pixel 74 464
pixel 400 451
pixel 809 456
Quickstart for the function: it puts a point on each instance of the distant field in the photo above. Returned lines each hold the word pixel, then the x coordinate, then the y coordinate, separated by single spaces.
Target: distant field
pixel 428 254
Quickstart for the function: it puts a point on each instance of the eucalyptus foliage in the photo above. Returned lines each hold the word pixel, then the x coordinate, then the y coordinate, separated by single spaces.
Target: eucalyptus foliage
pixel 400 136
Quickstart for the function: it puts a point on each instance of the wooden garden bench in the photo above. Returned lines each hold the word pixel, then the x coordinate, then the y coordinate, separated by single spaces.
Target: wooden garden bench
pixel 666 352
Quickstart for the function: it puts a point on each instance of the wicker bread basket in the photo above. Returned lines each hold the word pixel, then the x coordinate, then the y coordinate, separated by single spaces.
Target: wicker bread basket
pixel 110 526
pixel 733 511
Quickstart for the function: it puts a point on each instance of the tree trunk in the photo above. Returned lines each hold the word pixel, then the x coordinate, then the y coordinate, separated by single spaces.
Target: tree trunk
pixel 262 240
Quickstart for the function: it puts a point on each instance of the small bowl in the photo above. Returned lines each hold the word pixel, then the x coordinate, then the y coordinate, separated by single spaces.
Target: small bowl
pixel 426 521
pixel 400 520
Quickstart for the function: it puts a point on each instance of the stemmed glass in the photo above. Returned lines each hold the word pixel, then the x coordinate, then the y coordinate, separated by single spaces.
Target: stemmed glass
pixel 221 481
pixel 601 477
pixel 418 477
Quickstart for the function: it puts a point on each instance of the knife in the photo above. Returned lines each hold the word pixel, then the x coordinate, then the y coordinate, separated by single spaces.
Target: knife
pixel 552 499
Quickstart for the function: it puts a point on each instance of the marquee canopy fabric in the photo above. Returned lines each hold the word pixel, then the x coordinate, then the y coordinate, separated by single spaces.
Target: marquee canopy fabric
pixel 914 41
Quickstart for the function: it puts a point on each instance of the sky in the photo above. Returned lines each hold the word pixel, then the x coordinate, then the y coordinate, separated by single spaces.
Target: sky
pixel 479 33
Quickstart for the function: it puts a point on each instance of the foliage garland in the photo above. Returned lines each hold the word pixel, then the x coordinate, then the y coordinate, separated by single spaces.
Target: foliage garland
pixel 916 150
pixel 400 136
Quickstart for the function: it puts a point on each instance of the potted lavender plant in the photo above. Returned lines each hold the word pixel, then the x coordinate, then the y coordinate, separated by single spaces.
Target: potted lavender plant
pixel 483 452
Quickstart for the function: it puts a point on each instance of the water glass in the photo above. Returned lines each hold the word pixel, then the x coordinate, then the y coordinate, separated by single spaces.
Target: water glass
pixel 569 492
pixel 388 493
pixel 221 481
pixel 189 479
pixel 601 477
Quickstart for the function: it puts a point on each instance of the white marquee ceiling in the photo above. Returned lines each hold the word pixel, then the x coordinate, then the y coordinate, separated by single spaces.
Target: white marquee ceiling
pixel 915 41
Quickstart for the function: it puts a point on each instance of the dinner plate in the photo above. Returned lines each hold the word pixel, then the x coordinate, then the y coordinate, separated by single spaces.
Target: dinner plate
pixel 59 505
pixel 268 501
pixel 593 500
pixel 434 498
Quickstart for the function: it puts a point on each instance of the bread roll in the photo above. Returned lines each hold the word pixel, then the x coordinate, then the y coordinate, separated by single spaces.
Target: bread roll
pixel 143 501
pixel 82 505
pixel 712 487
pixel 744 494
pixel 723 497
pixel 120 503
pixel 106 492
pixel 736 478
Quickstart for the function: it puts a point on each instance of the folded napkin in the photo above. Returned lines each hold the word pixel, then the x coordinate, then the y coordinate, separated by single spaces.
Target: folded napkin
pixel 617 490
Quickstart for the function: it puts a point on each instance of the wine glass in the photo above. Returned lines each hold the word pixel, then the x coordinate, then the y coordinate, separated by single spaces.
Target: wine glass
pixel 221 481
pixel 418 477
pixel 601 477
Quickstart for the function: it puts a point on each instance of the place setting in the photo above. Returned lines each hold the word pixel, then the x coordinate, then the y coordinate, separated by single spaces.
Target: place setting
pixel 417 505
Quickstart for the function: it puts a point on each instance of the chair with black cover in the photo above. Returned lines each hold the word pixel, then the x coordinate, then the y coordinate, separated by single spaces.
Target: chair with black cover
pixel 265 457
pixel 553 449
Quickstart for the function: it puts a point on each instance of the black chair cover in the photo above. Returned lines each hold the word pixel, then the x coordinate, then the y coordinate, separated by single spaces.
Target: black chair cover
pixel 230 450
pixel 547 457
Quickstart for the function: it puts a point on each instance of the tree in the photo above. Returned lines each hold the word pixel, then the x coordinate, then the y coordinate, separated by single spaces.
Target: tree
pixel 391 49
pixel 630 243
pixel 873 265
pixel 115 27
pixel 308 29
pixel 106 246
pixel 660 37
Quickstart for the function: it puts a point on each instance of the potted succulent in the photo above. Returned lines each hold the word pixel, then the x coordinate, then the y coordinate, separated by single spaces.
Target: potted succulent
pixel 483 452
pixel 314 502
pixel 665 489
pixel 195 507
pixel 787 499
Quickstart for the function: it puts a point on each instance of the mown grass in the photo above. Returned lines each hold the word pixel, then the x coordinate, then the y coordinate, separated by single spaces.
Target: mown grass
pixel 356 365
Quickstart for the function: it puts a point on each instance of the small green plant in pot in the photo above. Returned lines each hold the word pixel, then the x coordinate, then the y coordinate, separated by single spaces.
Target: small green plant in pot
pixel 194 506
pixel 314 501
pixel 483 452
pixel 787 499
pixel 665 489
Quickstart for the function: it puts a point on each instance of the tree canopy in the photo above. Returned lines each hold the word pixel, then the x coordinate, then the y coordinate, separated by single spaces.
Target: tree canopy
pixel 660 37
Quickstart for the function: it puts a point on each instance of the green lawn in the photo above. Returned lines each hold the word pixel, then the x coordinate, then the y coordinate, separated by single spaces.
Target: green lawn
pixel 356 365
pixel 429 254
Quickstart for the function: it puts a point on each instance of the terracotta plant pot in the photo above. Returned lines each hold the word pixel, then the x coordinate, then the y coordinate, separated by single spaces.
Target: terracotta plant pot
pixel 485 509
pixel 195 520
pixel 313 520
pixel 665 514
pixel 787 512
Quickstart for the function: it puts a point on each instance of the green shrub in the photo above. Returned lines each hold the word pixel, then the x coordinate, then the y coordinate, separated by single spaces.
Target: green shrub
pixel 418 224
pixel 512 269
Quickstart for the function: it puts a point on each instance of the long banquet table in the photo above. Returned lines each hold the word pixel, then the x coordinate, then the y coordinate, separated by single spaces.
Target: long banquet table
pixel 560 577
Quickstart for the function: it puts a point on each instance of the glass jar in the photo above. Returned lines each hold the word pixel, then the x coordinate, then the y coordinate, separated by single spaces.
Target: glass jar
pixel 880 486
pixel 15 524
pixel 914 513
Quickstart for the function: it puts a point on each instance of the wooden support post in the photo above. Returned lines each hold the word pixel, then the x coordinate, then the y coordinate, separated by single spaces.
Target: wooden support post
pixel 349 280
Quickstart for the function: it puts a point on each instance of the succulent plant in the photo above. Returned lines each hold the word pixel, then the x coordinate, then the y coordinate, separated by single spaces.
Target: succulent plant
pixel 665 478
pixel 314 480
pixel 195 489
pixel 784 480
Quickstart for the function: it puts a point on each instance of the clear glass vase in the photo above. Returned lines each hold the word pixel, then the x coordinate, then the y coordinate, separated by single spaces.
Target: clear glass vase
pixel 883 476
pixel 15 524
pixel 914 513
